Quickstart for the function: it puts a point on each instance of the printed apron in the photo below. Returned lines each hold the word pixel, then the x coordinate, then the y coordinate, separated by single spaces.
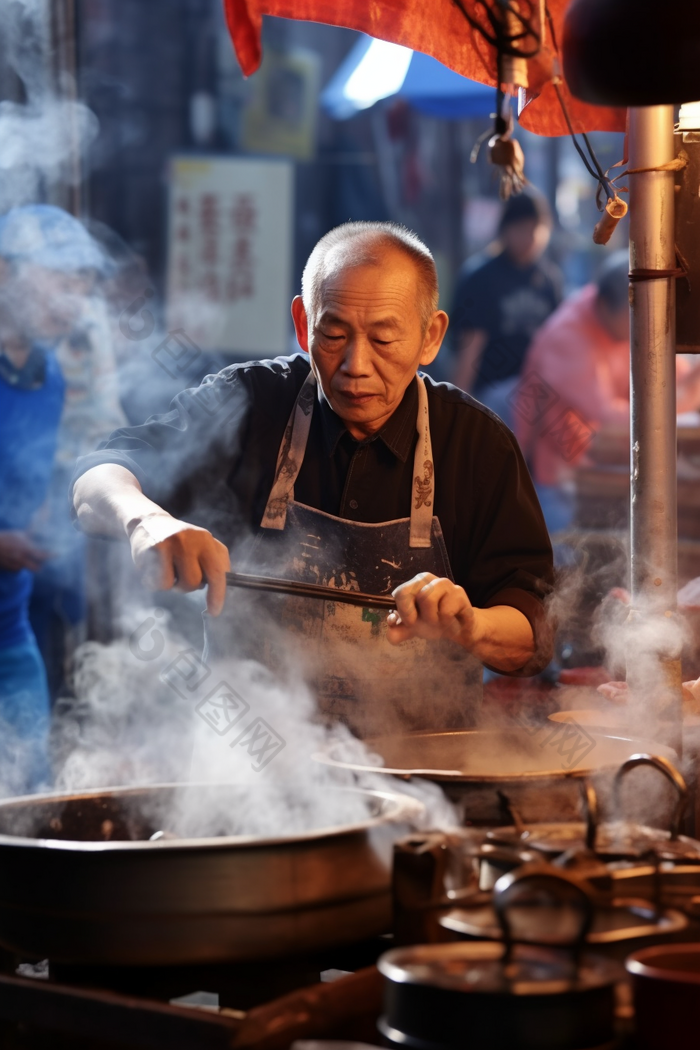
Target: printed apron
pixel 341 650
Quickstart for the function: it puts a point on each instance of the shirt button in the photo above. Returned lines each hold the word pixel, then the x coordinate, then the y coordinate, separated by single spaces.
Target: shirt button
pixel 354 504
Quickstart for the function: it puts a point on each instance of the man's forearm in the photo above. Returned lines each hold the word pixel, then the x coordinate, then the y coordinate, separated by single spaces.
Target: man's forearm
pixel 108 501
pixel 166 552
pixel 501 637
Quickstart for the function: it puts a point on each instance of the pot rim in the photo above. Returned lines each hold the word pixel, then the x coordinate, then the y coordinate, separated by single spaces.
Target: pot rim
pixel 637 965
pixel 402 808
pixel 395 965
pixel 459 776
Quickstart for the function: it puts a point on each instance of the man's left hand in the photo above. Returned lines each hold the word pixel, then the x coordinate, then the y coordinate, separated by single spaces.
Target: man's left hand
pixel 433 607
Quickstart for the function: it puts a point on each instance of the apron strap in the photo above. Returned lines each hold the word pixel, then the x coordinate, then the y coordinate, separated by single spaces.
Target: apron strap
pixel 424 476
pixel 290 456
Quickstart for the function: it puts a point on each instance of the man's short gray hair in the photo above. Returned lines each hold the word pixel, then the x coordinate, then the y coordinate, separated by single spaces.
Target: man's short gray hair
pixel 362 244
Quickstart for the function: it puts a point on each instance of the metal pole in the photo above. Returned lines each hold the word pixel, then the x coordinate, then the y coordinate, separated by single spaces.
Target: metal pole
pixel 63 31
pixel 653 511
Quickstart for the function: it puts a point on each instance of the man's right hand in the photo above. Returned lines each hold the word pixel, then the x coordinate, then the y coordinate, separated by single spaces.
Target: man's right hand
pixel 167 553
pixel 17 551
pixel 170 553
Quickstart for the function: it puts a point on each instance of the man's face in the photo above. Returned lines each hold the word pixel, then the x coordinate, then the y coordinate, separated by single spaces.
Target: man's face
pixel 43 303
pixel 367 339
pixel 525 241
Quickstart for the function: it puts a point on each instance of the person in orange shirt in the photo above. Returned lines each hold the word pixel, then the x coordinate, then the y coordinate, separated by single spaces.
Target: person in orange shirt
pixel 575 381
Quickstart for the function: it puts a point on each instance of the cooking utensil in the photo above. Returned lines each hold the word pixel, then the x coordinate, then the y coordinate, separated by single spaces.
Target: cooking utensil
pixel 538 772
pixel 613 840
pixel 674 844
pixel 310 590
pixel 81 882
pixel 605 718
pixel 510 996
pixel 616 919
pixel 555 837
pixel 620 921
pixel 666 987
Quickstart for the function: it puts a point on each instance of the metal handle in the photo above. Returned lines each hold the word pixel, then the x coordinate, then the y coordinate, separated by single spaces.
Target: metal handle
pixel 561 888
pixel 589 799
pixel 669 771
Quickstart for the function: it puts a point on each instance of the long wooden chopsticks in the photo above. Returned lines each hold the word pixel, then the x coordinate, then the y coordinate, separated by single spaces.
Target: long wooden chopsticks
pixel 310 590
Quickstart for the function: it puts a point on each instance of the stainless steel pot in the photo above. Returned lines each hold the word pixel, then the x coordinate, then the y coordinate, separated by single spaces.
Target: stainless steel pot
pixel 666 985
pixel 510 996
pixel 613 840
pixel 81 882
pixel 537 769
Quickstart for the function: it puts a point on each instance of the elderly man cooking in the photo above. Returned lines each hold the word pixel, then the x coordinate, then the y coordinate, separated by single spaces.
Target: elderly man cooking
pixel 344 466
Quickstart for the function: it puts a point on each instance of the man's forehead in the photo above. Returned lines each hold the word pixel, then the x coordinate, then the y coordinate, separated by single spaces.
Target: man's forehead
pixel 373 285
pixel 376 300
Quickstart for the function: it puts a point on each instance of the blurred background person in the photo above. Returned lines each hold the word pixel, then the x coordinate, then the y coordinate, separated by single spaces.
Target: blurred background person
pixel 576 381
pixel 46 266
pixel 498 306
pixel 84 352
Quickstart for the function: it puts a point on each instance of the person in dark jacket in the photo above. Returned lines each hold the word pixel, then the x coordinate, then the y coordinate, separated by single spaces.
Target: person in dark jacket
pixel 499 306
pixel 344 466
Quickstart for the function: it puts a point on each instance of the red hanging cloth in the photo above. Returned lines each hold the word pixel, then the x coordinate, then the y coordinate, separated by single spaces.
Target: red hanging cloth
pixel 438 28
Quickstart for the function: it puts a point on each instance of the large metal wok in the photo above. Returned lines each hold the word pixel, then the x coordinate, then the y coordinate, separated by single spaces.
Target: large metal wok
pixel 81 882
pixel 535 768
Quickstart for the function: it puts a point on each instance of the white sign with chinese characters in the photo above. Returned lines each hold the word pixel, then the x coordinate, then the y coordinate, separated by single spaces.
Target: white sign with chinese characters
pixel 230 253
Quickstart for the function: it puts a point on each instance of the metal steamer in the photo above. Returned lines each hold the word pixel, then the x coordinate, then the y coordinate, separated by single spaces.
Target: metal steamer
pixel 643 882
pixel 80 882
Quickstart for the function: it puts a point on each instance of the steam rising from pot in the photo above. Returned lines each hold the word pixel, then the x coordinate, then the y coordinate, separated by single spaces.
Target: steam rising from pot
pixel 148 710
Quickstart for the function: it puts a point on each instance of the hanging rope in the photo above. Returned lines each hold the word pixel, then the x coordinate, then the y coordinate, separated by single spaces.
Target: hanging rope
pixel 591 162
pixel 615 208
pixel 500 16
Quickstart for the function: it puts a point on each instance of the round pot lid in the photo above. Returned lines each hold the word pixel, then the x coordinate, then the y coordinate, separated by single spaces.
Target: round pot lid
pixel 481 968
pixel 621 920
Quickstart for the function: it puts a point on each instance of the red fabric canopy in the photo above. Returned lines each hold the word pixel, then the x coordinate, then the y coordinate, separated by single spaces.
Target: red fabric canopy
pixel 438 28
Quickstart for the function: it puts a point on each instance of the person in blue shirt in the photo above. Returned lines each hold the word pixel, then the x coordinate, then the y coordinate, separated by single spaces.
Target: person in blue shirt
pixel 47 264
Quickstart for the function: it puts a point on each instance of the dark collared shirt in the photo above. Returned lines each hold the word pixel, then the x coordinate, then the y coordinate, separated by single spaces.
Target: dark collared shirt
pixel 211 461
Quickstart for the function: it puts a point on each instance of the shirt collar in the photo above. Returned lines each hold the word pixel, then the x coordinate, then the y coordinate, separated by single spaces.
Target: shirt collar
pixel 397 434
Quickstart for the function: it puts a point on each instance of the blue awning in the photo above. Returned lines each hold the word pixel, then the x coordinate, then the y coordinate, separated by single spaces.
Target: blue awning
pixel 376 69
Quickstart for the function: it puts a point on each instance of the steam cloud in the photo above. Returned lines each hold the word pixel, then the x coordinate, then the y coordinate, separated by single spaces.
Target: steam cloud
pixel 42 137
pixel 135 721
pixel 37 140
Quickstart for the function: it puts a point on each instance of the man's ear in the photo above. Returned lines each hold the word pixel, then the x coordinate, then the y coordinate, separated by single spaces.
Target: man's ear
pixel 301 325
pixel 434 335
